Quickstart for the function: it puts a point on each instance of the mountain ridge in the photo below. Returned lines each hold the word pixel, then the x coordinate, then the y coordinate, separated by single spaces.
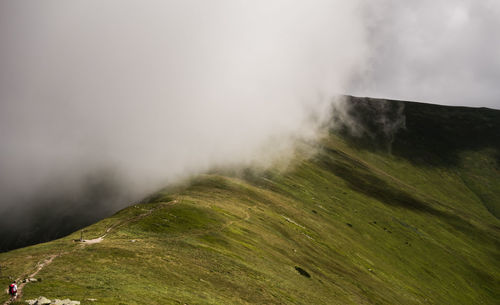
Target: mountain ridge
pixel 375 217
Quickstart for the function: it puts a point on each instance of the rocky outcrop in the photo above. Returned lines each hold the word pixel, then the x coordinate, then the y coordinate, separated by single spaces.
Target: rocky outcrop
pixel 31 280
pixel 39 301
pixel 45 301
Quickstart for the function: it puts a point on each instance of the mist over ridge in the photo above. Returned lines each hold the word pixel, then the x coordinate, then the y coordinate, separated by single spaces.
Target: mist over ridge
pixel 102 102
pixel 144 95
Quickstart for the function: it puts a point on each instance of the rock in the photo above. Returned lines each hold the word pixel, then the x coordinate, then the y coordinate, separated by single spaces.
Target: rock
pixel 33 280
pixel 45 301
pixel 42 301
pixel 65 302
pixel 92 300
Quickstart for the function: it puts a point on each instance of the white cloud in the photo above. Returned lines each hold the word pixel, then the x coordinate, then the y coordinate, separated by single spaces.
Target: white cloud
pixel 161 89
pixel 443 52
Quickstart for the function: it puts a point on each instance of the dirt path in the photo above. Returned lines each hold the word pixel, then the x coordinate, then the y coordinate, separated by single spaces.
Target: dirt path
pixel 94 241
pixel 120 224
pixel 39 267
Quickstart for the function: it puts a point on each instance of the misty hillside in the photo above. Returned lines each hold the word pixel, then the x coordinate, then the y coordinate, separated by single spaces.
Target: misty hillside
pixel 399 204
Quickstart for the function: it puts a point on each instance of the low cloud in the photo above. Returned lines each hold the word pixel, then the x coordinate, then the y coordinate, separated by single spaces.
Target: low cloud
pixel 142 94
pixel 154 92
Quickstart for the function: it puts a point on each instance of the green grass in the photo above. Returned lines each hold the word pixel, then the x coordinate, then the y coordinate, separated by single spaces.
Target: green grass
pixel 367 226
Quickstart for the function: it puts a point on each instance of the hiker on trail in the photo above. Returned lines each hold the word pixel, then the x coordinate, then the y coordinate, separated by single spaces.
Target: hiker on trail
pixel 13 290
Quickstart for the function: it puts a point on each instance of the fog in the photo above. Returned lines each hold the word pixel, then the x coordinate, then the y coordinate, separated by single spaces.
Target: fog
pixel 146 94
pixel 102 102
pixel 436 51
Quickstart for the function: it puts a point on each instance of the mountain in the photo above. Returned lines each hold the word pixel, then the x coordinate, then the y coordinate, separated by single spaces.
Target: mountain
pixel 399 203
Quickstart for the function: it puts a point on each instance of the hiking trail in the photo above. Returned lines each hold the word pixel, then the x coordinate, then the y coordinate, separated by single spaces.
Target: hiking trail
pixel 50 259
pixel 39 267
pixel 120 224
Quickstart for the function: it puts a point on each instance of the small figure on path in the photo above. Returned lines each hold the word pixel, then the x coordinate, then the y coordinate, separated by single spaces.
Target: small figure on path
pixel 13 290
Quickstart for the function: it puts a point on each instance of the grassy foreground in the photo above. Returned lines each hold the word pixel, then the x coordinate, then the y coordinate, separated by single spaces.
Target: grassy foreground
pixel 352 225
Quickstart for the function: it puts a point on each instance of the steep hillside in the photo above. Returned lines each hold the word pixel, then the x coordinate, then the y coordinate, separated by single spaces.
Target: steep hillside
pixel 398 206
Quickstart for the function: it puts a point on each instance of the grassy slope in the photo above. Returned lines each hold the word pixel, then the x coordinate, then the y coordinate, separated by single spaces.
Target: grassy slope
pixel 369 227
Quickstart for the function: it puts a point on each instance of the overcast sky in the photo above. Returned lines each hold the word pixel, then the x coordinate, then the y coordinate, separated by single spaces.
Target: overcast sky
pixel 155 90
pixel 437 51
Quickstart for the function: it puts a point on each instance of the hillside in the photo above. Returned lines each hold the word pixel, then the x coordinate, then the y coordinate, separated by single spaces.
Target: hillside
pixel 398 206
